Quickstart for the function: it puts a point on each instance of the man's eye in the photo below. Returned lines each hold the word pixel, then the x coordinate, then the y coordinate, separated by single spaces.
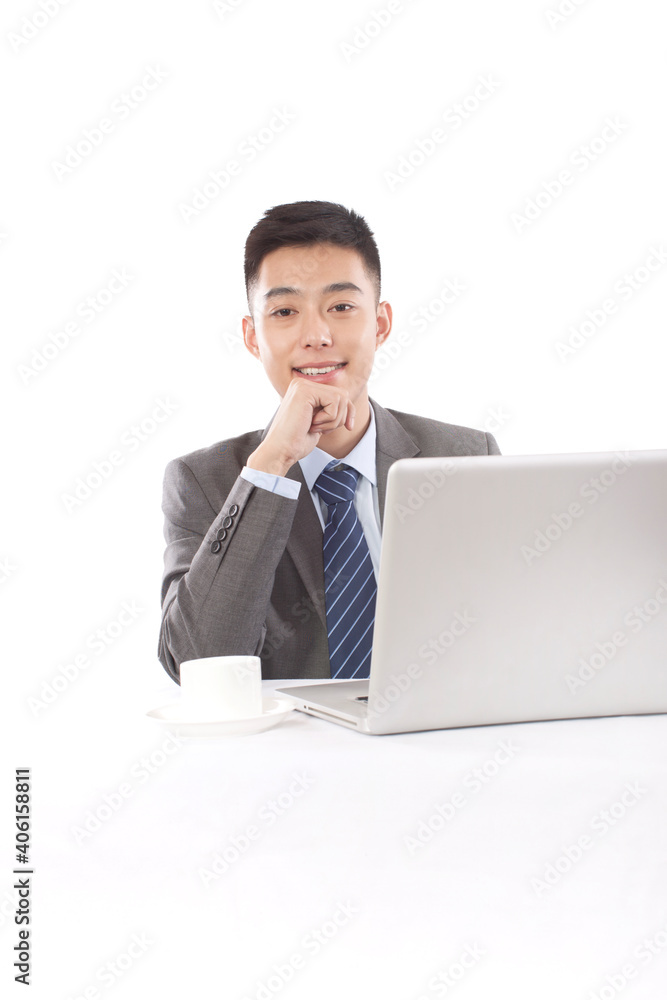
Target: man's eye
pixel 282 312
pixel 341 306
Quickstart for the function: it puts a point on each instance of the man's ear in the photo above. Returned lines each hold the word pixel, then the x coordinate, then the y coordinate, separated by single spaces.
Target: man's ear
pixel 384 319
pixel 249 335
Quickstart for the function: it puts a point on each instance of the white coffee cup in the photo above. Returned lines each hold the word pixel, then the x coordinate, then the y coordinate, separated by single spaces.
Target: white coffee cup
pixel 218 688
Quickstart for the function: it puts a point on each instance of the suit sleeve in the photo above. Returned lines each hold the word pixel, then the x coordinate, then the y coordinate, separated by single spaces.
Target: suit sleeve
pixel 492 444
pixel 219 567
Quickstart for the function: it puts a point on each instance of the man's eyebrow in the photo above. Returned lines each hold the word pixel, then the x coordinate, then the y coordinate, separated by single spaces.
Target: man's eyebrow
pixel 342 286
pixel 337 286
pixel 281 290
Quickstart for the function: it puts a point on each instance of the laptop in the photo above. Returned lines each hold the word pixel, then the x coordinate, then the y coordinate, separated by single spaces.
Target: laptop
pixel 513 589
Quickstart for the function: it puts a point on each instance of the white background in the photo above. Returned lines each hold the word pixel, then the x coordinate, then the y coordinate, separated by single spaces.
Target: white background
pixel 361 98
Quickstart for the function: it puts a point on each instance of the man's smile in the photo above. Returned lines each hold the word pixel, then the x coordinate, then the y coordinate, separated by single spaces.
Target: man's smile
pixel 320 372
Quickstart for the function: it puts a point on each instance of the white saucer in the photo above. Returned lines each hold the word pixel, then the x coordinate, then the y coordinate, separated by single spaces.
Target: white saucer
pixel 175 717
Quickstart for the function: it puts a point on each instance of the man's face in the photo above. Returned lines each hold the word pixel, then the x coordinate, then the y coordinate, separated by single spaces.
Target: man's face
pixel 314 308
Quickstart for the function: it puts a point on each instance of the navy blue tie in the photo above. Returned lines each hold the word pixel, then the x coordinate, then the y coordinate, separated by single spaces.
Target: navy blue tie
pixel 349 579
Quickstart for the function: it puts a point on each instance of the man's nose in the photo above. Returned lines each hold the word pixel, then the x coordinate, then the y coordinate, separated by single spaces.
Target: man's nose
pixel 316 331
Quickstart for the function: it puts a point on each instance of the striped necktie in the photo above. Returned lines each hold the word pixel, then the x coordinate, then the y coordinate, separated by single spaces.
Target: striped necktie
pixel 349 579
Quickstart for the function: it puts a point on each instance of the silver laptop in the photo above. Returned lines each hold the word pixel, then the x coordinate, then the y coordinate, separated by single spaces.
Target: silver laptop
pixel 514 589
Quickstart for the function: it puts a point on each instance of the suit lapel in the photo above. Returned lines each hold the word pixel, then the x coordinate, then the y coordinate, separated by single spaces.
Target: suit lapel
pixel 393 442
pixel 305 541
pixel 304 544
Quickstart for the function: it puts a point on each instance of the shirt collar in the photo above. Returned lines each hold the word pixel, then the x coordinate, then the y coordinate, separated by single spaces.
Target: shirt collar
pixel 361 458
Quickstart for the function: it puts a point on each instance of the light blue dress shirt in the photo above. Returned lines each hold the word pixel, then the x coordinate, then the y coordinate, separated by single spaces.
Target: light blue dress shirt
pixel 361 458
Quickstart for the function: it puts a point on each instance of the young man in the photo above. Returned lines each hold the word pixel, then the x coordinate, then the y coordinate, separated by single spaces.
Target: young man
pixel 273 544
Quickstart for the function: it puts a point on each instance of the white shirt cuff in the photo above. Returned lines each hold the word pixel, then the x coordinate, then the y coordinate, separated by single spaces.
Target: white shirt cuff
pixel 274 484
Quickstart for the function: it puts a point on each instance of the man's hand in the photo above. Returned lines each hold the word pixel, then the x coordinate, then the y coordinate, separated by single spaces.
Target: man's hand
pixel 308 410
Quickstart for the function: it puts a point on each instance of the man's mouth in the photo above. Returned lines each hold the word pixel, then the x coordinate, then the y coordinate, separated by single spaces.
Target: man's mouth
pixel 320 371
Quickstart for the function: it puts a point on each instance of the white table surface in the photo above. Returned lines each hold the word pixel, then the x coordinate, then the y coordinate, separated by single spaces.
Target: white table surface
pixel 461 915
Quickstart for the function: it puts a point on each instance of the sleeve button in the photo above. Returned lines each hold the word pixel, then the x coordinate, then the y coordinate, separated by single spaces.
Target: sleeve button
pixel 227 522
pixel 234 509
pixel 221 535
pixel 215 547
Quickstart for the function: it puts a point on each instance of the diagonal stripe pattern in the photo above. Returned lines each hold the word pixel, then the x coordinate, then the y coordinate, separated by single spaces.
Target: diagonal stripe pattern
pixel 349 580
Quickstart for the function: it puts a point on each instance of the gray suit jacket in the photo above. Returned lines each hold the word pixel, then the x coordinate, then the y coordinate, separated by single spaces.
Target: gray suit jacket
pixel 243 571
